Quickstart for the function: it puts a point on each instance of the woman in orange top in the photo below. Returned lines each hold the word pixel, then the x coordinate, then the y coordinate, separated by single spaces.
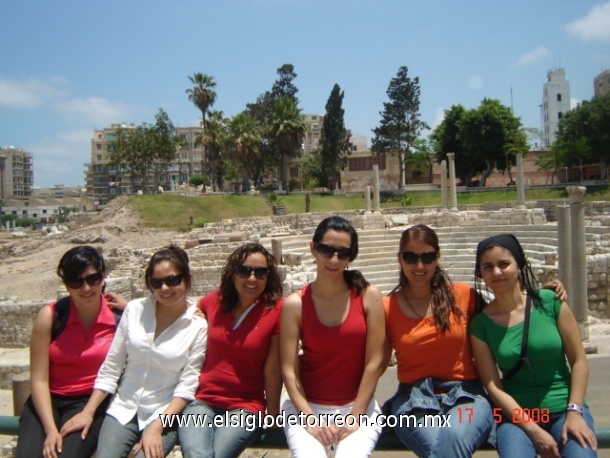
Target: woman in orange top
pixel 427 326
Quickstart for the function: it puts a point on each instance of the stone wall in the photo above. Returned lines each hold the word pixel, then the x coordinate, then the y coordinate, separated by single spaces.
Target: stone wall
pixel 209 247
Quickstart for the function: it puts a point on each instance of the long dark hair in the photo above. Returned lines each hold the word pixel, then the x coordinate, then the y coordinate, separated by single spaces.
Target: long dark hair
pixel 228 294
pixel 177 257
pixel 353 278
pixel 527 280
pixel 77 259
pixel 443 299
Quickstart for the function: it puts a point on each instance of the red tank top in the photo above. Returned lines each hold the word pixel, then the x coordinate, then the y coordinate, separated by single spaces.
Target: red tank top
pixel 332 362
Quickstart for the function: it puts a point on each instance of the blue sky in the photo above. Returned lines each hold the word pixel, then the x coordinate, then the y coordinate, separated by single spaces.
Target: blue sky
pixel 69 67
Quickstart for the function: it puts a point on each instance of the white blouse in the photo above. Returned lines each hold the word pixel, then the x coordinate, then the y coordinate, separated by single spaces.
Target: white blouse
pixel 150 372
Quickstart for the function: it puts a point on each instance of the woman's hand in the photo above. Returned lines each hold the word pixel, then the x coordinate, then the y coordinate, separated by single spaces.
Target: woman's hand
pixel 152 441
pixel 346 430
pixel 52 445
pixel 577 427
pixel 544 443
pixel 115 300
pixel 323 434
pixel 557 286
pixel 81 420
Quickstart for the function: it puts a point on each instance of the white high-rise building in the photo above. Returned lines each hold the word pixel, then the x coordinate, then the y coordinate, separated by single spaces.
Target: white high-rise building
pixel 555 103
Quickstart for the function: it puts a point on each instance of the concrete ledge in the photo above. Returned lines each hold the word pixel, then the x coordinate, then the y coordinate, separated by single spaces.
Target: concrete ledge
pixel 275 439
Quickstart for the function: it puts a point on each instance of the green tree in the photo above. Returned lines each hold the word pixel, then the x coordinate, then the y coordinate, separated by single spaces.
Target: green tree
pixel 334 140
pixel 583 136
pixel 287 130
pixel 265 111
pixel 166 142
pixel 214 139
pixel 144 149
pixel 400 120
pixel 245 138
pixel 492 138
pixel 422 158
pixel 203 97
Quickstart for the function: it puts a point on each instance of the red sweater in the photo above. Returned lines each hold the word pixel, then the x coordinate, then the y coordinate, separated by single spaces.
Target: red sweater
pixel 233 373
pixel 332 362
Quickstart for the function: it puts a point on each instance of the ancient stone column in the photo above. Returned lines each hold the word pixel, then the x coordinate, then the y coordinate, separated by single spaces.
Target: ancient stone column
pixel 578 297
pixel 376 188
pixel 564 248
pixel 520 183
pixel 452 185
pixel 367 199
pixel 444 184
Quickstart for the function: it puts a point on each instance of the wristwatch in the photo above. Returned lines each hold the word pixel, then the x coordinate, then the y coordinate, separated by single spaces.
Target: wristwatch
pixel 575 408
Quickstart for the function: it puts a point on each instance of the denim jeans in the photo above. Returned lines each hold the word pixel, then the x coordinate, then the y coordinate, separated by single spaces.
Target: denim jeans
pixel 514 442
pixel 117 440
pixel 204 437
pixel 462 405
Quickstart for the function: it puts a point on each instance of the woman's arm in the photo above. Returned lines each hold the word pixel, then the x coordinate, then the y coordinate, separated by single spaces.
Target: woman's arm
pixel 39 379
pixel 488 373
pixel 290 330
pixel 189 378
pixel 273 377
pixel 373 359
pixel 152 436
pixel 570 337
pixel 83 420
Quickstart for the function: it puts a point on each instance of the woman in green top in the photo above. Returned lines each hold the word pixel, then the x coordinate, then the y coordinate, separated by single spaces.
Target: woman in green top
pixel 540 405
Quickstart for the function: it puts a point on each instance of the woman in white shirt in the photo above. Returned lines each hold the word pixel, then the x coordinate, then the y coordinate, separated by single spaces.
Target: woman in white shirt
pixel 153 365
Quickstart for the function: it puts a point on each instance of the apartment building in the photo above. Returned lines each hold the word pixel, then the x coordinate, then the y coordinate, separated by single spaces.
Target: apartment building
pixel 105 181
pixel 16 172
pixel 601 83
pixel 555 103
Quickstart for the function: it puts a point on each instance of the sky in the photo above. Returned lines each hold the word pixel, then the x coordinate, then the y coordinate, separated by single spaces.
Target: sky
pixel 68 67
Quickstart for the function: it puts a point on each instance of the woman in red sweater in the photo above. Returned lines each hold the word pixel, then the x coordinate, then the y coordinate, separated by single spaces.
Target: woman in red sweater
pixel 339 320
pixel 241 375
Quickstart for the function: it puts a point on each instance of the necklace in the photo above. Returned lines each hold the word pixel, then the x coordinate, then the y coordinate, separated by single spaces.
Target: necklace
pixel 413 309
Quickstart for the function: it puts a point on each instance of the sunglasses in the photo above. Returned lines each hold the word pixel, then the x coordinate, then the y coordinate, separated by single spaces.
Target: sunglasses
pixel 260 273
pixel 91 279
pixel 328 251
pixel 170 280
pixel 427 257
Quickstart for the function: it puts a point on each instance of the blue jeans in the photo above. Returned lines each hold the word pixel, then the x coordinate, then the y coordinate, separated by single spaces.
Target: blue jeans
pixel 514 442
pixel 117 440
pixel 463 417
pixel 203 437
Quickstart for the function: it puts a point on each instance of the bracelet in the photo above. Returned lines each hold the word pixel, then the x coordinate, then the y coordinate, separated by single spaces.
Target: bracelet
pixel 575 408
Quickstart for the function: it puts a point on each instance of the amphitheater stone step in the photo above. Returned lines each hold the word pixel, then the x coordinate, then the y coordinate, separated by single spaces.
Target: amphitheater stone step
pixel 13 361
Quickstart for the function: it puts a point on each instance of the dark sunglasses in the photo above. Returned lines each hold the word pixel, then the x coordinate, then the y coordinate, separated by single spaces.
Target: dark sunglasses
pixel 245 272
pixel 91 279
pixel 328 251
pixel 427 257
pixel 171 280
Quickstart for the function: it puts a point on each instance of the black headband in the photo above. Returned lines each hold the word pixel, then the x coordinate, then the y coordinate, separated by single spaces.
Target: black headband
pixel 508 241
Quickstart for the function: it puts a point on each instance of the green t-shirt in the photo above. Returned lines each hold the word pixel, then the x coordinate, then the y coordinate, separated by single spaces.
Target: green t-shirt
pixel 549 384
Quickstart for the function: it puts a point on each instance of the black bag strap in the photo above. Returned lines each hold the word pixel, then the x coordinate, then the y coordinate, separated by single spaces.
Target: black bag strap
pixel 522 358
pixel 62 313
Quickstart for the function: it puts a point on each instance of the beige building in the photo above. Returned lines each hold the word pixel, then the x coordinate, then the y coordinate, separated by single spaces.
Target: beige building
pixel 105 181
pixel 601 83
pixel 16 172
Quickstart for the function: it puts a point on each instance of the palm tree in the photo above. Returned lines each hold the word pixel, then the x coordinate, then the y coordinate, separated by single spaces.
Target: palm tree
pixel 214 139
pixel 203 97
pixel 287 130
pixel 245 140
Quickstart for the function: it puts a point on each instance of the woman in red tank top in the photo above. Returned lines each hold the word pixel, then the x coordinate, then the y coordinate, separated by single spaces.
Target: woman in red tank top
pixel 339 320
